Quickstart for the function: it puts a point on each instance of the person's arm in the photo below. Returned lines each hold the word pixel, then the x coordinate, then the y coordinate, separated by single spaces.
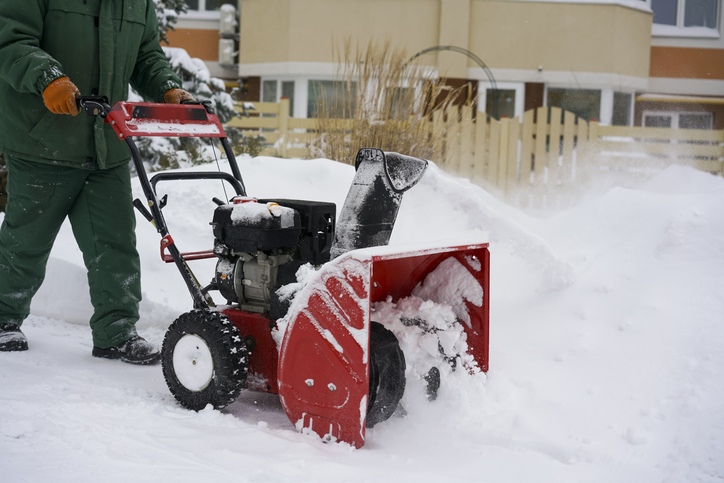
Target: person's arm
pixel 23 64
pixel 152 76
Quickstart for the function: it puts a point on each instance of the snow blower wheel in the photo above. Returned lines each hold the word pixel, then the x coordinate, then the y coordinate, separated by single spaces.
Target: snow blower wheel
pixel 204 360
pixel 387 374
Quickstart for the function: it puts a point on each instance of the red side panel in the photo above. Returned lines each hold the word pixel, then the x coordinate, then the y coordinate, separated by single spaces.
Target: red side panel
pixel 263 358
pixel 323 379
pixel 169 120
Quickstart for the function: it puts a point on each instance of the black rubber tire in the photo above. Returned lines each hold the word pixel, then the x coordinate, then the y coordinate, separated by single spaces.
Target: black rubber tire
pixel 387 374
pixel 229 359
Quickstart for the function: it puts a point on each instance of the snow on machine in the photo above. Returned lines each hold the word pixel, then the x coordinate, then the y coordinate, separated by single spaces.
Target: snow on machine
pixel 336 369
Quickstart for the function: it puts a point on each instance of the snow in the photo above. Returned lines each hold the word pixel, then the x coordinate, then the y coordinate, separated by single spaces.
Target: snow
pixel 171 128
pixel 606 360
pixel 252 213
pixel 452 284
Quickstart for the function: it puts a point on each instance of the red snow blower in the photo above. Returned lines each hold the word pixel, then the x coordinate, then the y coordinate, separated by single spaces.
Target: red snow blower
pixel 336 370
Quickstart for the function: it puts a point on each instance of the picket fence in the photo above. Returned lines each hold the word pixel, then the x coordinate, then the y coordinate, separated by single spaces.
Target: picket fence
pixel 546 158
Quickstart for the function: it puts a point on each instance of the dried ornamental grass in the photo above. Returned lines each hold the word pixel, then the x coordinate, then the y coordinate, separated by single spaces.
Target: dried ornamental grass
pixel 380 100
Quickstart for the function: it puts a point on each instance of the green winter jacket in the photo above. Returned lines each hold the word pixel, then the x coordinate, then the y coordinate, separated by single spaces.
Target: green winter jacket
pixel 102 46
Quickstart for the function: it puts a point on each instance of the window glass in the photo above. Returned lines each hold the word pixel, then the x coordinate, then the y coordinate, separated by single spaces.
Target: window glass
pixel 664 11
pixel 658 120
pixel 506 103
pixel 585 103
pixel 288 92
pixel 700 13
pixel 193 4
pixel 400 101
pixel 269 91
pixel 337 97
pixel 695 121
pixel 621 109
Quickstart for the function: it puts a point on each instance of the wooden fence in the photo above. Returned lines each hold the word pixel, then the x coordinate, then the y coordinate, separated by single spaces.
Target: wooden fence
pixel 287 137
pixel 543 159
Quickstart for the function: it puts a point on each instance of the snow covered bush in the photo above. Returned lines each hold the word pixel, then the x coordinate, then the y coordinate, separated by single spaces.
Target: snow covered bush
pixel 167 12
pixel 165 153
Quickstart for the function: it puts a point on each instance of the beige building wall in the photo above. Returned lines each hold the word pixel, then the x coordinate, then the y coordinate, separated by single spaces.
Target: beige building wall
pixel 264 31
pixel 519 35
pixel 309 30
pixel 561 36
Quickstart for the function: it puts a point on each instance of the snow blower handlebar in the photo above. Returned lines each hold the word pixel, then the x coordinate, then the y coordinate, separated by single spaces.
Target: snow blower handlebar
pixel 190 119
pixel 94 105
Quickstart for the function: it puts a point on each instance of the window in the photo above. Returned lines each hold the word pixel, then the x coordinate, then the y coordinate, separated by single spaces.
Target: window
pixel 509 96
pixel 269 91
pixel 585 103
pixel 505 99
pixel 270 88
pixel 621 109
pixel 673 15
pixel 337 97
pixel 401 102
pixel 288 92
pixel 680 120
pixel 208 5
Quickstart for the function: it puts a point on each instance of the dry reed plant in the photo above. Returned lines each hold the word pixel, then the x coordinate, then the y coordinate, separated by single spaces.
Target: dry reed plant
pixel 380 100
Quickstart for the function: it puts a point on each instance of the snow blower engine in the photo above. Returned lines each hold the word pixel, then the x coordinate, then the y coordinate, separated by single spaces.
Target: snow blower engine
pixel 336 370
pixel 262 243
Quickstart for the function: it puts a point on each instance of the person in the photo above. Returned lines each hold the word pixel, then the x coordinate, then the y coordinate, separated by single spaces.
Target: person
pixel 61 164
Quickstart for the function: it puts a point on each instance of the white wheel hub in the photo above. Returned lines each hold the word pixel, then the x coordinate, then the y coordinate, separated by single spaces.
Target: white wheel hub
pixel 193 363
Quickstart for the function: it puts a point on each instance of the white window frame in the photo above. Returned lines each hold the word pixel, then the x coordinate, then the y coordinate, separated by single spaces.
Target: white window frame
pixel 518 87
pixel 679 30
pixel 675 116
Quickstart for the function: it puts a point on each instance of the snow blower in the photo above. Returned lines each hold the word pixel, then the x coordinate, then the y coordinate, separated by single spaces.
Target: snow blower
pixel 336 369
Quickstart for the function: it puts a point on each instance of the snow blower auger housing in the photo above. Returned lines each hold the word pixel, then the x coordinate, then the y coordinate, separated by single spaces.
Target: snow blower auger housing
pixel 336 370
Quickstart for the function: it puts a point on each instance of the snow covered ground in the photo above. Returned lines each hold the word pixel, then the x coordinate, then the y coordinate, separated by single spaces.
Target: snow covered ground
pixel 606 354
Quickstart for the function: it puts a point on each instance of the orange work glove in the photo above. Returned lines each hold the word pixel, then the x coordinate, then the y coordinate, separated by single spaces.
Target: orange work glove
pixel 176 96
pixel 59 97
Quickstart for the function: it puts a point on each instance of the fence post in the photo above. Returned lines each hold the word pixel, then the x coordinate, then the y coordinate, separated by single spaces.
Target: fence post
pixel 283 125
pixel 593 131
pixel 481 129
pixel 466 142
pixel 502 160
pixel 512 177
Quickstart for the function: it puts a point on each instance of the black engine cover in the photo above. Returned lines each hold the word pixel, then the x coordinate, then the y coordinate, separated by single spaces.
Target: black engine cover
pixel 312 233
pixel 262 235
pixel 318 224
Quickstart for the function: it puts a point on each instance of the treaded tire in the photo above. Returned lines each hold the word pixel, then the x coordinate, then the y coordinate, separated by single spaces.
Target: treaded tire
pixel 223 360
pixel 387 374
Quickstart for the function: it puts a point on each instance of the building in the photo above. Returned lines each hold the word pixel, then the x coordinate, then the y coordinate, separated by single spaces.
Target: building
pixel 623 62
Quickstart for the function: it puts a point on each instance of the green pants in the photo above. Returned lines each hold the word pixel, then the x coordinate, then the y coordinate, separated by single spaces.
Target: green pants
pixel 99 205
